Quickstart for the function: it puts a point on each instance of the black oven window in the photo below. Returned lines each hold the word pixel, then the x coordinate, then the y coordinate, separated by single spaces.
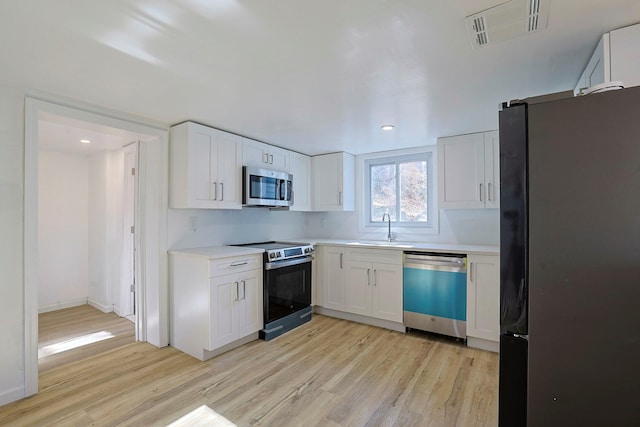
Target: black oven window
pixel 289 290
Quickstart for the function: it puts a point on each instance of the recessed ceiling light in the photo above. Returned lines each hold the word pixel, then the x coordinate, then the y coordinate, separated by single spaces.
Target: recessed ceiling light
pixel 85 141
pixel 388 127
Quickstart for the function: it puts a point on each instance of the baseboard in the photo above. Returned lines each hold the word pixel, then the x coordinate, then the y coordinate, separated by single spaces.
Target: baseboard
pixel 387 324
pixel 483 344
pixel 11 395
pixel 102 308
pixel 62 305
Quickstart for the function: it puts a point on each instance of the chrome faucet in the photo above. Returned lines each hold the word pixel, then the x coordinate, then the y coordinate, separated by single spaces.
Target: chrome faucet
pixel 386 215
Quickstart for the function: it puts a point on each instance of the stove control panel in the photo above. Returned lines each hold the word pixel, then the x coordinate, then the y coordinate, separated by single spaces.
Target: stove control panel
pixel 289 252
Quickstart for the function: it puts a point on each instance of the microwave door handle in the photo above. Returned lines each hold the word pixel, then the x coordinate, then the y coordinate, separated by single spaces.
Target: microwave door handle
pixel 283 190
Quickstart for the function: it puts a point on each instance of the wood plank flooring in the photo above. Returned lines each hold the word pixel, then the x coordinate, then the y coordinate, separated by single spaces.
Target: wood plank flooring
pixel 329 372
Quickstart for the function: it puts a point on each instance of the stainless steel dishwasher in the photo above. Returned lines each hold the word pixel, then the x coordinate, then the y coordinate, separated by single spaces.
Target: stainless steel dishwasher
pixel 435 293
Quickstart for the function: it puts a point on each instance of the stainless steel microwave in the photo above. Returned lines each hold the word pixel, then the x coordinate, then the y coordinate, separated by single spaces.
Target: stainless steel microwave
pixel 265 187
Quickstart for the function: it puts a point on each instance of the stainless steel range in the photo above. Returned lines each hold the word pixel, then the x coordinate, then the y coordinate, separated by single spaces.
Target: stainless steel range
pixel 287 286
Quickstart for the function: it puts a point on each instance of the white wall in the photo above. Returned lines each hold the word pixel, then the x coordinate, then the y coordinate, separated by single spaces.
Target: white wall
pixel 221 227
pixel 105 228
pixel 12 383
pixel 62 230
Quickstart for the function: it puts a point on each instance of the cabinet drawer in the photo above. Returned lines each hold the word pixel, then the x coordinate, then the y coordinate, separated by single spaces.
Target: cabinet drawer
pixel 389 256
pixel 218 267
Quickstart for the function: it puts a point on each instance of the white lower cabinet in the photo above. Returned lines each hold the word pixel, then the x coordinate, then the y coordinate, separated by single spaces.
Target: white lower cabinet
pixel 362 285
pixel 215 303
pixel 483 300
pixel 331 277
pixel 374 289
pixel 235 308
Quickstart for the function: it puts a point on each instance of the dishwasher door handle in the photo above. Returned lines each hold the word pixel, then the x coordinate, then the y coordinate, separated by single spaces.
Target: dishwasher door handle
pixel 434 264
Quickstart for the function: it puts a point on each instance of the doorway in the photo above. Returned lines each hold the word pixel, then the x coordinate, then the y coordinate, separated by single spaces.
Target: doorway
pixel 149 303
pixel 86 221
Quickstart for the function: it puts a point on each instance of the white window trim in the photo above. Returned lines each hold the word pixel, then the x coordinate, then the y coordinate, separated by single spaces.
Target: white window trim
pixel 404 231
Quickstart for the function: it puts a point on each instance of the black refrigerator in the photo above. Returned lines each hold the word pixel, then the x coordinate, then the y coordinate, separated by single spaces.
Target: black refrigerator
pixel 570 261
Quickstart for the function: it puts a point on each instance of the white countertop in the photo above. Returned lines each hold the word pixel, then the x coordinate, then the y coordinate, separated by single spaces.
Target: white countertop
pixel 215 252
pixel 408 246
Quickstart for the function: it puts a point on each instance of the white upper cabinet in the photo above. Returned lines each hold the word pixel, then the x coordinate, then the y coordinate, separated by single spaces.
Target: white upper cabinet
pixel 615 58
pixel 469 171
pixel 258 154
pixel 300 168
pixel 625 60
pixel 205 168
pixel 333 182
pixel 598 69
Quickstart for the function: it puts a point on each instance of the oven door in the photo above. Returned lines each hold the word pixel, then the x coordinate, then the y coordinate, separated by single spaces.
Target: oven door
pixel 287 287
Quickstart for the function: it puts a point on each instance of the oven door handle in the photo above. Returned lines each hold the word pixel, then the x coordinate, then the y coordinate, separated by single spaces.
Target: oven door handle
pixel 287 263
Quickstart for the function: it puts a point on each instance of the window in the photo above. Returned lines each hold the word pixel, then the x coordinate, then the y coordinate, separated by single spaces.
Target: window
pixel 402 187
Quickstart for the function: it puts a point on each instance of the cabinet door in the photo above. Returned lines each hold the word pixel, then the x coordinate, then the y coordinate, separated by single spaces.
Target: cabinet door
pixel 461 171
pixel 277 159
pixel 333 182
pixel 387 291
pixel 597 70
pixel 327 172
pixel 333 278
pixel 229 171
pixel 483 297
pixel 223 295
pixel 300 167
pixel 359 284
pixel 253 153
pixel 249 304
pixel 491 169
pixel 625 61
pixel 201 157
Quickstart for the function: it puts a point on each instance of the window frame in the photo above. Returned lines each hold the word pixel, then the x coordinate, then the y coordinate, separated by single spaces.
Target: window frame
pixel 395 157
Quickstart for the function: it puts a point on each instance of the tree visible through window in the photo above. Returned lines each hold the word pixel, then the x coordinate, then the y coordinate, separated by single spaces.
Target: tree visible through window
pixel 400 188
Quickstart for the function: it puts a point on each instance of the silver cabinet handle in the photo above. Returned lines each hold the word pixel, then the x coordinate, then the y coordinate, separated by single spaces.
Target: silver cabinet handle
pixel 266 158
pixel 340 198
pixel 368 276
pixel 215 190
pixel 341 260
pixel 489 191
pixel 481 192
pixel 471 272
pixel 244 289
pixel 237 291
pixel 221 191
pixel 375 282
pixel 235 264
pixel 270 159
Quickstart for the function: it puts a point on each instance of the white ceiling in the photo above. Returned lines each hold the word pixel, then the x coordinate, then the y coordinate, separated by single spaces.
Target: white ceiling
pixel 312 76
pixel 64 134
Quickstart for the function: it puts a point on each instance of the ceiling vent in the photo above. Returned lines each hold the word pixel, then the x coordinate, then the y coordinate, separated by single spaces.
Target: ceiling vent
pixel 507 21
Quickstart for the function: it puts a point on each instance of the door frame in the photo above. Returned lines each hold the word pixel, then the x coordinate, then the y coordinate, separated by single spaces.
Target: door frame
pixel 127 302
pixel 151 220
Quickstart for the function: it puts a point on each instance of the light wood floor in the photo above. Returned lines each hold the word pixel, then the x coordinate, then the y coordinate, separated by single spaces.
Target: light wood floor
pixel 328 372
